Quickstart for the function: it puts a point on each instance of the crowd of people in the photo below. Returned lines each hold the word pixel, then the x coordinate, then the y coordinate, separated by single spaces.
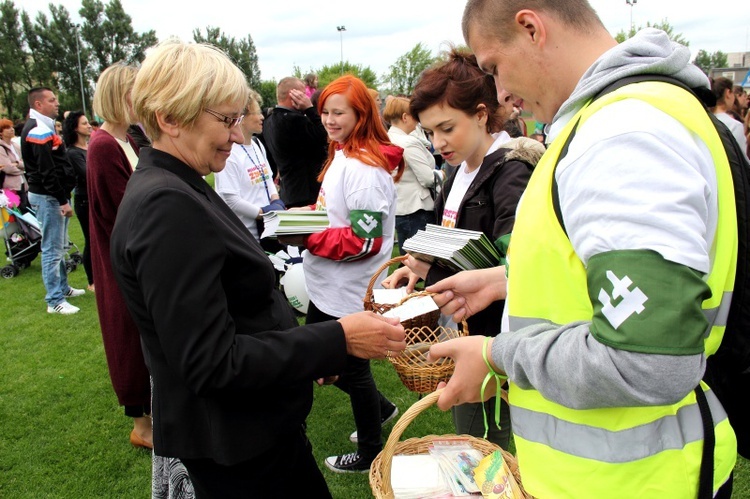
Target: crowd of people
pixel 612 198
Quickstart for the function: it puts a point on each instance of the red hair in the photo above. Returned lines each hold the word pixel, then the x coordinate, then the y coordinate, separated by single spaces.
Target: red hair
pixel 369 136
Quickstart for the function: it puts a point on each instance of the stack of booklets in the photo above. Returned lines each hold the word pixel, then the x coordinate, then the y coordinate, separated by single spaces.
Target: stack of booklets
pixel 288 223
pixel 456 249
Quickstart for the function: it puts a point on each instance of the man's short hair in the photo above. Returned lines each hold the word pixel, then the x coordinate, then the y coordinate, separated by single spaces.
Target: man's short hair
pixel 285 85
pixel 496 17
pixel 36 93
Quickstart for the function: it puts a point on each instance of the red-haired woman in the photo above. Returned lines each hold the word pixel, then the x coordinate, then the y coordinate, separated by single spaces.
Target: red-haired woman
pixel 359 195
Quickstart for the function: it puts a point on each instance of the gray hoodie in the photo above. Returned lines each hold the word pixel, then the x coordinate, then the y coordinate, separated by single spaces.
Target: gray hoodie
pixel 565 363
pixel 650 51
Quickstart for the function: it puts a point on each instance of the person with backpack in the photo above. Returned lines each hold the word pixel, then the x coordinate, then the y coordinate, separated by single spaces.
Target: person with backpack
pixel 620 268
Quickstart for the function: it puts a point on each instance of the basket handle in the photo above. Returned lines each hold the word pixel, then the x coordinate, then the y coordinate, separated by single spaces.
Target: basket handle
pixel 371 284
pixel 389 448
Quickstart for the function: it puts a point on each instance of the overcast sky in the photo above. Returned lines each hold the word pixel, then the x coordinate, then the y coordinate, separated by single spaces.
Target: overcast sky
pixel 304 33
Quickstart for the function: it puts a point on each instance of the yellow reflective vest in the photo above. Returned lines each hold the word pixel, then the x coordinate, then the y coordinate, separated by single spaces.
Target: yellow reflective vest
pixel 613 452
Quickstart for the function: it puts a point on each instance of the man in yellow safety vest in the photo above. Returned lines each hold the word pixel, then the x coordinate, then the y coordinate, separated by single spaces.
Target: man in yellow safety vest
pixel 618 289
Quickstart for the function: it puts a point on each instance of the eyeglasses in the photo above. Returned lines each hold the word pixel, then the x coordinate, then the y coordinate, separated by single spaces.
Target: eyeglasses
pixel 227 120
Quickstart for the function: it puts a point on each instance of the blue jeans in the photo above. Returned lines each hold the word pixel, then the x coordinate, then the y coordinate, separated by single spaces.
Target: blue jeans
pixel 408 225
pixel 54 233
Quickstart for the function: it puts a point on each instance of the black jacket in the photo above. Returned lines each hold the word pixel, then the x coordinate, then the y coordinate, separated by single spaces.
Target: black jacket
pixel 298 142
pixel 77 158
pixel 489 206
pixel 231 371
pixel 48 170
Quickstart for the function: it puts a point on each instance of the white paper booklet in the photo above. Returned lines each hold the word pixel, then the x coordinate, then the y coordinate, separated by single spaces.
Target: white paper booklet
pixel 388 296
pixel 417 476
pixel 412 308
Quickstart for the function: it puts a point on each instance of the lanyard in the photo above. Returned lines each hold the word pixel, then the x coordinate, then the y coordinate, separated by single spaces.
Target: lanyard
pixel 261 170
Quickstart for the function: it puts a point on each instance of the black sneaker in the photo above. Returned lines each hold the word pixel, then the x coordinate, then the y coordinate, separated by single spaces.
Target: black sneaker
pixel 348 463
pixel 384 418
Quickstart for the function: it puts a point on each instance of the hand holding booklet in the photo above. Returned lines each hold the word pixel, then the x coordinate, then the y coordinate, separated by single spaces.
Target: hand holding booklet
pixel 289 223
pixel 456 249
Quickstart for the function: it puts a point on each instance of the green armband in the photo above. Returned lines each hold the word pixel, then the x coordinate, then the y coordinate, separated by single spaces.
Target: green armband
pixel 644 303
pixel 366 224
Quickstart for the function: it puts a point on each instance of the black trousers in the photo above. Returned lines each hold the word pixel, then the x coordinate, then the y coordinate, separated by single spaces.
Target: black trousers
pixel 81 207
pixel 367 402
pixel 287 469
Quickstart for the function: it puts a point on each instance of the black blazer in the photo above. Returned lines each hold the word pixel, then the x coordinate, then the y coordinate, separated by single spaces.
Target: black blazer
pixel 231 372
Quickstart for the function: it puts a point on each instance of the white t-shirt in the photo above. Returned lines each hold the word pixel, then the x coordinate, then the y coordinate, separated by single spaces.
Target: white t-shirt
pixel 246 183
pixel 338 287
pixel 460 185
pixel 737 129
pixel 462 182
pixel 129 152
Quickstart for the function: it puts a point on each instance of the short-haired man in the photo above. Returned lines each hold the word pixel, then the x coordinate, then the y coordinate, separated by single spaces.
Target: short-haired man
pixel 51 179
pixel 613 304
pixel 297 140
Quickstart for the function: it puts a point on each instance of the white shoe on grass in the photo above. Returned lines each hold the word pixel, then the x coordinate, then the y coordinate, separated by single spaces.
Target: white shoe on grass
pixel 73 292
pixel 63 308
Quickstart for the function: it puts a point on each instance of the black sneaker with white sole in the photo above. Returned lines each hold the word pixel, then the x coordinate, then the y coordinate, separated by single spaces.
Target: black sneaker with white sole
pixel 348 463
pixel 384 418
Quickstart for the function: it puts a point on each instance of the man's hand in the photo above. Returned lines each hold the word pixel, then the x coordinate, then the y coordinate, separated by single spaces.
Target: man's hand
pixel 372 336
pixel 399 276
pixel 300 101
pixel 468 292
pixel 465 384
pixel 66 210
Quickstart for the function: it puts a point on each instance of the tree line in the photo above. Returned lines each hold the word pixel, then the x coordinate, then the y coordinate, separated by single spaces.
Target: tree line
pixel 52 50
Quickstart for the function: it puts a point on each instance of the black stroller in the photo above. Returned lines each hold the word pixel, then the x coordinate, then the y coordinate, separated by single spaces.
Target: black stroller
pixel 23 237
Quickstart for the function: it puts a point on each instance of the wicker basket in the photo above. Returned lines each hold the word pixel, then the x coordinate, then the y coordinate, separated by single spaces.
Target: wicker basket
pixel 427 320
pixel 412 367
pixel 380 471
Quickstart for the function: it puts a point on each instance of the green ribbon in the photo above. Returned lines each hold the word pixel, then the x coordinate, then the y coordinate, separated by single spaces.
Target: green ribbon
pixel 499 378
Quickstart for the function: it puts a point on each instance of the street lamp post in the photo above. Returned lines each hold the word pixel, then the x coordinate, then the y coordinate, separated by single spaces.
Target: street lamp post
pixel 80 70
pixel 631 3
pixel 341 30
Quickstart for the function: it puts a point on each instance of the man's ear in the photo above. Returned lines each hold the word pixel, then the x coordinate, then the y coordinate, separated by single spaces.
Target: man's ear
pixel 531 25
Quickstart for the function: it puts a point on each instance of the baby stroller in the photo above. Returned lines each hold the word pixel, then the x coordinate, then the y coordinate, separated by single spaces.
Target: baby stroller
pixel 22 241
pixel 23 236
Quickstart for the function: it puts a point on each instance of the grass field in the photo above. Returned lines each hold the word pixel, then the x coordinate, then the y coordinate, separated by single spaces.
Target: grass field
pixel 62 434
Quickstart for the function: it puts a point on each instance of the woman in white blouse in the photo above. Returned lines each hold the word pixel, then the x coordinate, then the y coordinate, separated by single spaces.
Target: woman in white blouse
pixel 415 207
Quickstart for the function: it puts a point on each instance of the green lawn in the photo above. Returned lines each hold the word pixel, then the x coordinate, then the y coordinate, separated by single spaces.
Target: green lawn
pixel 62 434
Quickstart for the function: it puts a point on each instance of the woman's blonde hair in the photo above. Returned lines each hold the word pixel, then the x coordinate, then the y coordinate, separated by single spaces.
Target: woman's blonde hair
pixel 111 101
pixel 395 108
pixel 181 80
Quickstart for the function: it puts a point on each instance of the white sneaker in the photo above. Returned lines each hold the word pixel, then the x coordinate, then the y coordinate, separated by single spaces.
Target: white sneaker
pixel 63 308
pixel 73 292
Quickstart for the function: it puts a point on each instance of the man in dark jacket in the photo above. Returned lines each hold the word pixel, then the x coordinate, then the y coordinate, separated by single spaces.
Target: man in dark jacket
pixel 51 179
pixel 297 140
